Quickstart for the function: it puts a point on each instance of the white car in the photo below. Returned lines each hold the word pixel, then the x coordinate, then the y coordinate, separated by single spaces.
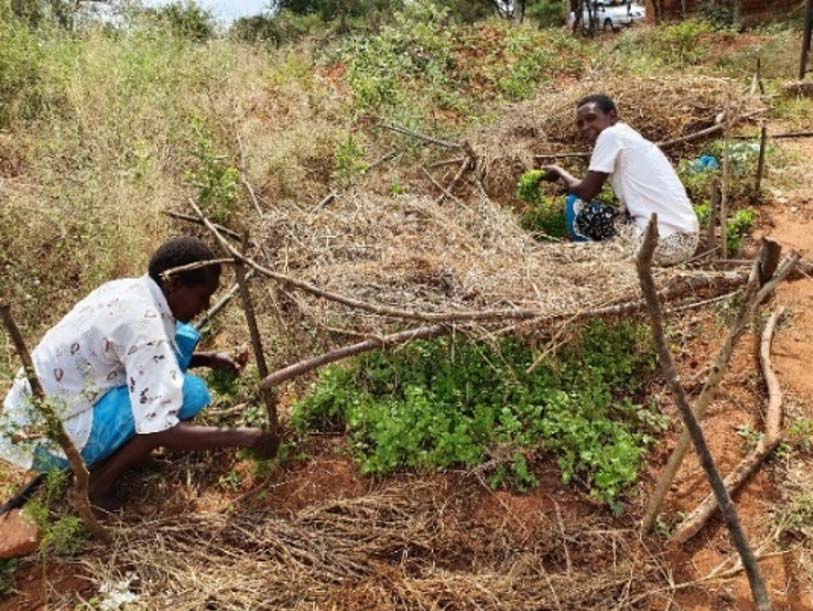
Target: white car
pixel 610 17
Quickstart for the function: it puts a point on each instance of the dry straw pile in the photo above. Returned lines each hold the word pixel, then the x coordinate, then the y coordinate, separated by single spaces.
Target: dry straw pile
pixel 467 263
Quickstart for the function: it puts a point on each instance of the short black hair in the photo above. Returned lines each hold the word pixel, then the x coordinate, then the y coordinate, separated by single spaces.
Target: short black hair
pixel 183 251
pixel 603 101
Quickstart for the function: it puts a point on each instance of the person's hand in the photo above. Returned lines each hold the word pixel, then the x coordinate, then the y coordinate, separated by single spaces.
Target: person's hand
pixel 551 173
pixel 266 444
pixel 223 361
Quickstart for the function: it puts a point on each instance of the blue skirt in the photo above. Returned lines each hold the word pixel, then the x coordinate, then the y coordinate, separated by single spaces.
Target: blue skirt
pixel 113 423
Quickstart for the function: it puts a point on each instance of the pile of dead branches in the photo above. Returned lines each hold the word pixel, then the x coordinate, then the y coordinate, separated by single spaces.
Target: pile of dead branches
pixel 401 548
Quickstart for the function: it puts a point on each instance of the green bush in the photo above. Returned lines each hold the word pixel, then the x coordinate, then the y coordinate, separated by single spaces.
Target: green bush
pixel 283 28
pixel 437 404
pixel 216 181
pixel 20 69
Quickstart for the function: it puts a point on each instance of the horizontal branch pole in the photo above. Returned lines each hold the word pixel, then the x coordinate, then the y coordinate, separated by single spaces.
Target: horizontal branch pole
pixel 192 219
pixel 786 135
pixel 81 474
pixel 644 267
pixel 189 267
pixel 372 343
pixel 694 522
pixel 725 281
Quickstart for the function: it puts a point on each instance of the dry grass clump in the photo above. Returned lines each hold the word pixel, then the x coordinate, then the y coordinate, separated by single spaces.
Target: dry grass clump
pixel 405 547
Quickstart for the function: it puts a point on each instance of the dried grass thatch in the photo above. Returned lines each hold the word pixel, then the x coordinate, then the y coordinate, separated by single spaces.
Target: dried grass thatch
pixel 450 260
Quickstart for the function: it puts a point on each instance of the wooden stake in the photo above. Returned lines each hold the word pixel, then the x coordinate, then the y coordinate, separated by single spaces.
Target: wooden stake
pixel 80 472
pixel 644 267
pixel 724 189
pixel 267 394
pixel 763 137
pixel 711 229
pixel 806 37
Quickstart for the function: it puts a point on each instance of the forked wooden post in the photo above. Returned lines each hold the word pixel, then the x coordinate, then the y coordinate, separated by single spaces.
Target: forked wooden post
pixel 644 266
pixel 806 38
pixel 80 472
pixel 711 228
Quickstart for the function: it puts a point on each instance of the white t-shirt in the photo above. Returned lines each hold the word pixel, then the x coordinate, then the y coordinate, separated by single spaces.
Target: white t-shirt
pixel 121 333
pixel 644 180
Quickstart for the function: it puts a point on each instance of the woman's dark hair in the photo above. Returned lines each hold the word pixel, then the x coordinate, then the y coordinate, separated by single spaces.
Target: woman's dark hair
pixel 183 251
pixel 604 102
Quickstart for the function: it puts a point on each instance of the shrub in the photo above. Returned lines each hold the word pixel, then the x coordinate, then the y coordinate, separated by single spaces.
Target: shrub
pixel 215 180
pixel 437 404
pixel 738 226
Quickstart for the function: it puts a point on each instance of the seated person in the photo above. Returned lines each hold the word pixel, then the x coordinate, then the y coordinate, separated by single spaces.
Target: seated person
pixel 642 178
pixel 114 369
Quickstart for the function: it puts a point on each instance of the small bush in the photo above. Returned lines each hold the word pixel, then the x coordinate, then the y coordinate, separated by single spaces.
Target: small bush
pixel 545 215
pixel 441 403
pixel 62 533
pixel 676 45
pixel 739 225
pixel 216 181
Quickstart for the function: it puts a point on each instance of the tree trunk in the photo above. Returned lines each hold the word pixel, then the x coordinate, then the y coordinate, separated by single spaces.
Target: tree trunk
pixel 808 33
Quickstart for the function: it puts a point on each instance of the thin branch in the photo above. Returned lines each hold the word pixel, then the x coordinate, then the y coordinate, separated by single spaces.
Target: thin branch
pixel 448 191
pixel 419 136
pixel 244 179
pixel 644 267
pixel 192 219
pixel 324 202
pixel 441 188
pixel 196 265
pixel 373 343
pixel 39 400
pixel 708 131
pixel 440 164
